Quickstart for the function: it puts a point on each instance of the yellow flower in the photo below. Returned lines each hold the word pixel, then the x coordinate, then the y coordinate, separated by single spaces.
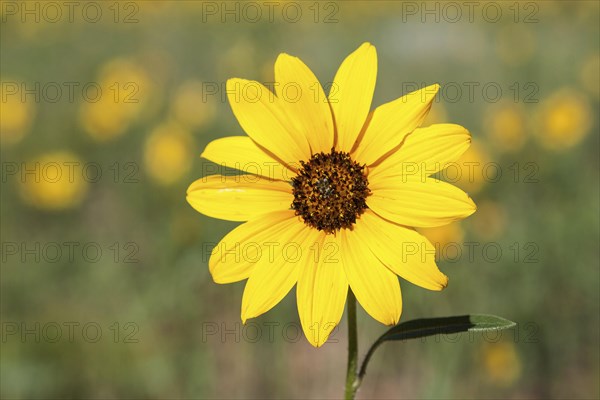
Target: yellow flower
pixel 506 126
pixel 446 239
pixel 330 193
pixel 490 222
pixel 473 169
pixel 501 363
pixel 167 153
pixel 441 236
pixel 123 91
pixel 54 181
pixel 563 120
pixel 191 106
pixel 16 117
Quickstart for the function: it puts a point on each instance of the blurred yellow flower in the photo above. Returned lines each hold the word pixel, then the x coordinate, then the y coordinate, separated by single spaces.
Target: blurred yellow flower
pixel 472 170
pixel 17 115
pixel 192 106
pixel 124 90
pixel 446 239
pixel 168 153
pixel 443 235
pixel 501 363
pixel 490 222
pixel 563 119
pixel 55 181
pixel 505 126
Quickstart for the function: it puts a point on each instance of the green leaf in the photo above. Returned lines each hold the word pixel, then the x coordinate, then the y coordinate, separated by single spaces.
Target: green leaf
pixel 433 326
pixel 419 328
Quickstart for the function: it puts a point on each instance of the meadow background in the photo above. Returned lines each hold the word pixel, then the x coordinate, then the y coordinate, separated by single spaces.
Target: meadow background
pixel 105 290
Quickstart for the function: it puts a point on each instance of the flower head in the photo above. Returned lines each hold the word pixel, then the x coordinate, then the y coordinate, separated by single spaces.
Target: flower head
pixel 330 193
pixel 57 185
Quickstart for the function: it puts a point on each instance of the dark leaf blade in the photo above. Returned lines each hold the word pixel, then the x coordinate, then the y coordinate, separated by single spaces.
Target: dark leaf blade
pixel 419 328
pixel 433 326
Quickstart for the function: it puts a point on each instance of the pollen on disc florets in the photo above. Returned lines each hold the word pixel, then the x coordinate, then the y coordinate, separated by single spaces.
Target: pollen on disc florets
pixel 330 191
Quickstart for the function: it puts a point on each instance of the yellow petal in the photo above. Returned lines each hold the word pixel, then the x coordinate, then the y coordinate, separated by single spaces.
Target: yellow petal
pixel 404 251
pixel 240 197
pixel 426 151
pixel 419 202
pixel 376 287
pixel 322 289
pixel 391 123
pixel 351 94
pixel 241 153
pixel 277 271
pixel 305 102
pixel 261 115
pixel 237 254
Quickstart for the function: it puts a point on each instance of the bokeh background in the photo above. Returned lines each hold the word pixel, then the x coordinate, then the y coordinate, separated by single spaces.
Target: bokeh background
pixel 106 106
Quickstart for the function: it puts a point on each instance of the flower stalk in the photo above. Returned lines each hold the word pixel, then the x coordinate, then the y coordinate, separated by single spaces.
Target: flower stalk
pixel 351 372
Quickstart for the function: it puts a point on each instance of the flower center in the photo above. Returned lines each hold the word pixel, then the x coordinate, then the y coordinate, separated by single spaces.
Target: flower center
pixel 330 191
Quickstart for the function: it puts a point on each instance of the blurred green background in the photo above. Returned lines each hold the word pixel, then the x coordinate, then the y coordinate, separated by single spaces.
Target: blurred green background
pixel 105 290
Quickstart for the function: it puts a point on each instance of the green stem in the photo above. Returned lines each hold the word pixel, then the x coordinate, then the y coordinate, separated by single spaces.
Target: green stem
pixel 363 368
pixel 351 376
